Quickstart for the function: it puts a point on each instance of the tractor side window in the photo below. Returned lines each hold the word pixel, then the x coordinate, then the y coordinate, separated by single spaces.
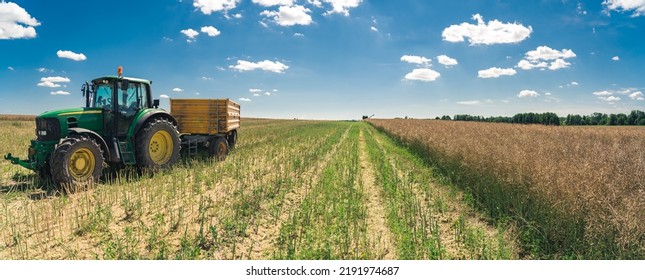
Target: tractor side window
pixel 143 96
pixel 128 100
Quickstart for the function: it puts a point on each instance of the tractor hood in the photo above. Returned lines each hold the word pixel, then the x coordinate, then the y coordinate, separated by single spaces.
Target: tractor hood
pixel 69 112
pixel 88 118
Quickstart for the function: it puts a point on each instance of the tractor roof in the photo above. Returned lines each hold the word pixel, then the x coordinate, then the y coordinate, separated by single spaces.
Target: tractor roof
pixel 137 80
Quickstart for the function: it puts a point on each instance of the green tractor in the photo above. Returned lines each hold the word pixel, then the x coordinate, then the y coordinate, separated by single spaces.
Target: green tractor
pixel 121 124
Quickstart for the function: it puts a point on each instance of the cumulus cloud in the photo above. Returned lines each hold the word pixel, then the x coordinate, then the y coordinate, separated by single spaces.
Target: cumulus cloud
pixel 574 83
pixel 414 59
pixel 15 22
pixel 495 72
pixel 207 78
pixel 637 96
pixel 604 92
pixel 528 93
pixel 211 31
pixel 207 7
pixel 267 93
pixel 298 34
pixel 290 15
pixel 469 102
pixel 269 3
pixel 338 6
pixel 446 60
pixel 10 68
pixel 164 96
pixel 177 89
pixel 544 57
pixel 422 74
pixel 482 33
pixel 615 58
pixel 266 65
pixel 52 82
pixel 255 90
pixel 191 34
pixel 636 6
pixel 60 92
pixel 71 55
pixel 374 29
pixel 609 98
pixel 245 99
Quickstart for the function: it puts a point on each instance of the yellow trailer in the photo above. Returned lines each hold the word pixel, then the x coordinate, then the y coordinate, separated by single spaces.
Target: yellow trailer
pixel 212 123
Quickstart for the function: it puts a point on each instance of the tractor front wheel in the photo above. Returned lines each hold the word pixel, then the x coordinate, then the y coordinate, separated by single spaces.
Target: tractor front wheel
pixel 76 161
pixel 157 145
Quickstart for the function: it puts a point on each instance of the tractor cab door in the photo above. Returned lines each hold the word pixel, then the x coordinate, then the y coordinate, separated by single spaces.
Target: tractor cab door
pixel 131 99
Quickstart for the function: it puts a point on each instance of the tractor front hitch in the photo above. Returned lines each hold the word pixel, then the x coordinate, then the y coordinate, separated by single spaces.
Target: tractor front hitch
pixel 24 163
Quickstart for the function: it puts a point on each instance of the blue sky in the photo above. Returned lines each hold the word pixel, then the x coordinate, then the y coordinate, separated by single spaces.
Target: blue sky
pixel 333 59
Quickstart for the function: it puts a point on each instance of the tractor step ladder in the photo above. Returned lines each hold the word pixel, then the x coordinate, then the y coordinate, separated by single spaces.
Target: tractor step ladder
pixel 127 152
pixel 192 147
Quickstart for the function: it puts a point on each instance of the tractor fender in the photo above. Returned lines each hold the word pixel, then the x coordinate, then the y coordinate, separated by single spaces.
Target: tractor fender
pixel 95 136
pixel 152 115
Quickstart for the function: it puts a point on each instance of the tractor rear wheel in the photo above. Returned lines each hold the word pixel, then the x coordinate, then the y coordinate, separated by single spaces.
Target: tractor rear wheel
pixel 76 161
pixel 157 145
pixel 218 148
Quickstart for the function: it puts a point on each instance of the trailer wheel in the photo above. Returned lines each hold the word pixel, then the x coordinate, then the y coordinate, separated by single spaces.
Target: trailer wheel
pixel 76 161
pixel 232 139
pixel 157 145
pixel 218 148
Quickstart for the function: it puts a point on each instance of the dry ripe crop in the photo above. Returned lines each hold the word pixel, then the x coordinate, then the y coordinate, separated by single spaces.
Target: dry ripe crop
pixel 572 192
pixel 290 190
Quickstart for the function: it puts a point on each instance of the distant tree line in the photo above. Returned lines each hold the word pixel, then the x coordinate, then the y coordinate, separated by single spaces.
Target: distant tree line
pixel 522 118
pixel 636 117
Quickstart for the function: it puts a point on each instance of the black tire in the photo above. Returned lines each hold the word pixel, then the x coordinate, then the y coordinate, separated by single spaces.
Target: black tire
pixel 232 139
pixel 76 161
pixel 157 145
pixel 218 148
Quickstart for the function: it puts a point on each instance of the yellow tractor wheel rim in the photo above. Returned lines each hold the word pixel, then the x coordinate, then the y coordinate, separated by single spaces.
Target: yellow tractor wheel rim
pixel 161 147
pixel 82 164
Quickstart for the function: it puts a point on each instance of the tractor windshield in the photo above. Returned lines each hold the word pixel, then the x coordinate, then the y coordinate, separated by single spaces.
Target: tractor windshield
pixel 103 96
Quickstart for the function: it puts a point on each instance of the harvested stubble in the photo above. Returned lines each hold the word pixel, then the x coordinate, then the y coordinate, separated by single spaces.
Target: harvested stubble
pixel 574 192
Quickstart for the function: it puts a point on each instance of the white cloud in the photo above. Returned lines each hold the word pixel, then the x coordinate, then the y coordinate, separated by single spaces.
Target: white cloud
pixel 245 99
pixel 238 16
pixel 164 96
pixel 574 83
pixel 191 34
pixel 339 6
pixel 604 92
pixel 610 98
pixel 177 90
pixel 615 58
pixel 559 64
pixel 266 65
pixel 10 68
pixel 211 31
pixel 446 60
pixel 290 15
pixel 15 22
pixel 526 65
pixel 422 74
pixel 275 90
pixel 528 93
pixel 255 90
pixel 414 59
pixel 60 92
pixel 493 32
pixel 51 82
pixel 544 57
pixel 207 78
pixel 374 29
pixel 264 24
pixel 267 93
pixel 71 55
pixel 547 94
pixel 637 96
pixel 44 70
pixel 469 102
pixel 637 6
pixel 209 6
pixel 316 3
pixel 269 3
pixel 495 72
pixel 298 34
pixel 546 53
pixel 197 93
pixel 256 94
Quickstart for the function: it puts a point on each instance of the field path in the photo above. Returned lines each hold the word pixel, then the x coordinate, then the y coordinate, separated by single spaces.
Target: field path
pixel 262 238
pixel 378 232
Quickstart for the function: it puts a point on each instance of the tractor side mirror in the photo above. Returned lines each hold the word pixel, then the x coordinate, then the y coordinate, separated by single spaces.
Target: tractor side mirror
pixel 155 103
pixel 124 85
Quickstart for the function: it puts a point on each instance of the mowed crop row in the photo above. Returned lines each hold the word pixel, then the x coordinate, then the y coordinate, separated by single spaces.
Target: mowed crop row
pixel 290 190
pixel 572 192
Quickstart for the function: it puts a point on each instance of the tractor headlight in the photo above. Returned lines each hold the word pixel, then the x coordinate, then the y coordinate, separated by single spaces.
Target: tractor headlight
pixel 42 132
